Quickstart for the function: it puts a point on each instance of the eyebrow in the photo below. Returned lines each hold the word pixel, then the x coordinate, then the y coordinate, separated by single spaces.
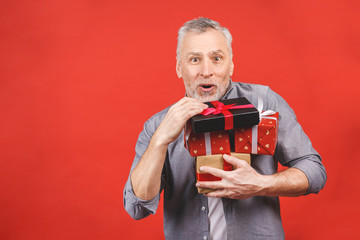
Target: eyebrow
pixel 194 54
pixel 200 54
pixel 217 52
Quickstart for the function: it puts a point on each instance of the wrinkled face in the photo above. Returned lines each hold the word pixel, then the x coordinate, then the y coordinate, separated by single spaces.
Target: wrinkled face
pixel 205 65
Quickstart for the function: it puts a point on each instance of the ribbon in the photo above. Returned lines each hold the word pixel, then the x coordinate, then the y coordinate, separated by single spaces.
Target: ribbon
pixel 260 107
pixel 254 139
pixel 207 177
pixel 207 143
pixel 224 109
pixel 254 131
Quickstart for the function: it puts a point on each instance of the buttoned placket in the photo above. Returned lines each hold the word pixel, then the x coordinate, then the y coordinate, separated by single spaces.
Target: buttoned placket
pixel 204 218
pixel 229 224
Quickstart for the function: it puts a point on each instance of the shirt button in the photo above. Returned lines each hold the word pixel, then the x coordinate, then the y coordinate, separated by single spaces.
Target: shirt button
pixel 203 208
pixel 205 237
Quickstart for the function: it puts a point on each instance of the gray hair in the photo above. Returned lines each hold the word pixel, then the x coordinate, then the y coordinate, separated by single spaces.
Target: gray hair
pixel 200 25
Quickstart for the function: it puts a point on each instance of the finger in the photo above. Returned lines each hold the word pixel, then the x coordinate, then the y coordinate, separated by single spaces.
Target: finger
pixel 182 114
pixel 210 184
pixel 194 112
pixel 226 194
pixel 187 100
pixel 193 103
pixel 184 109
pixel 217 194
pixel 213 171
pixel 184 100
pixel 236 162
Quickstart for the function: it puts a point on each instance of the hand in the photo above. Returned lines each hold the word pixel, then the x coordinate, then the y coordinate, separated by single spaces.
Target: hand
pixel 176 118
pixel 241 183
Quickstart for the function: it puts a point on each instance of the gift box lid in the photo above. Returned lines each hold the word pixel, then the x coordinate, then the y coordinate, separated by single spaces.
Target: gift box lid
pixel 227 114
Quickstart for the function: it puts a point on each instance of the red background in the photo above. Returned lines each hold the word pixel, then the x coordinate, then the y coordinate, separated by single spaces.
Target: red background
pixel 79 78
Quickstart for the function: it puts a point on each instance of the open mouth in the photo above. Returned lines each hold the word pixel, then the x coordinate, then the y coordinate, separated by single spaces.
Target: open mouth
pixel 206 87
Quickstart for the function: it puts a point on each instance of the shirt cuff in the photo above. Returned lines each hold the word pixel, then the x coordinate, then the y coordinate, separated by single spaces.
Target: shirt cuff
pixel 315 174
pixel 138 206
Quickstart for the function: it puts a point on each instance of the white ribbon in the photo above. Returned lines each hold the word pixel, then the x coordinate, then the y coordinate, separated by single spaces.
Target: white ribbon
pixel 254 137
pixel 265 114
pixel 207 143
pixel 260 107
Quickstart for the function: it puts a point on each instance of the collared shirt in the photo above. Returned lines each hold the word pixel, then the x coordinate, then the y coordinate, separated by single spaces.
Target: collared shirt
pixel 186 211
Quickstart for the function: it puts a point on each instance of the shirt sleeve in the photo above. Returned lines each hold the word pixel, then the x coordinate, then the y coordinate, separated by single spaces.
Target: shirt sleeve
pixel 136 207
pixel 294 148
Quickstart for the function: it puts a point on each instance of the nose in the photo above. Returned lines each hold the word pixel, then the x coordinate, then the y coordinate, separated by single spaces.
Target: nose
pixel 207 69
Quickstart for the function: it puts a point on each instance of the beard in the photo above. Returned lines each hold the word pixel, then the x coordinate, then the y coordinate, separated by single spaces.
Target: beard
pixel 214 95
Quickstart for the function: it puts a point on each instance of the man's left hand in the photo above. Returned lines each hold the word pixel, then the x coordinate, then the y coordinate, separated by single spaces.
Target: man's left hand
pixel 241 183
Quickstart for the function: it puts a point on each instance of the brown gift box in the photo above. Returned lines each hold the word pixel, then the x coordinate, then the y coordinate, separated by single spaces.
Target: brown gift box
pixel 215 161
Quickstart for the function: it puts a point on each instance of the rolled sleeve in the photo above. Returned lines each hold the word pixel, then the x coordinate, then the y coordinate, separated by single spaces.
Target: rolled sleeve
pixel 136 207
pixel 314 172
pixel 294 148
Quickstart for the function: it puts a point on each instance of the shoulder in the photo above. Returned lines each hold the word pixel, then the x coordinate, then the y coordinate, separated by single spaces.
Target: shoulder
pixel 154 121
pixel 248 90
pixel 253 92
pixel 250 87
pixel 150 126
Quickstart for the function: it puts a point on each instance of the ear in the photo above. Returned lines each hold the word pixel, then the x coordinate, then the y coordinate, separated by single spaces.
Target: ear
pixel 178 69
pixel 231 68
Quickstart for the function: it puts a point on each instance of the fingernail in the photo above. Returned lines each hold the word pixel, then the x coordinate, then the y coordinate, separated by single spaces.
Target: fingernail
pixel 201 168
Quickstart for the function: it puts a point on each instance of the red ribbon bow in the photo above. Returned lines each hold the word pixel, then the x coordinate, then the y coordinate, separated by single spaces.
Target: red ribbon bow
pixel 224 109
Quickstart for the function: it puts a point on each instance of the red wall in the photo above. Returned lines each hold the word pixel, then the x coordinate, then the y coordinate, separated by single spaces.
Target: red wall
pixel 79 78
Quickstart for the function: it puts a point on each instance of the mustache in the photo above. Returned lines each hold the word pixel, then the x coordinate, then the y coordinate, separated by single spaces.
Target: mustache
pixel 206 82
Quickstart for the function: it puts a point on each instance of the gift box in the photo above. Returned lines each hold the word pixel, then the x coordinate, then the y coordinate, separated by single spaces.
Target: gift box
pixel 200 144
pixel 258 139
pixel 224 115
pixel 215 161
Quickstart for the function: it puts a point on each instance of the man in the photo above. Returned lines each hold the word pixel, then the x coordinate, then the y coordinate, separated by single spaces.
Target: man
pixel 245 204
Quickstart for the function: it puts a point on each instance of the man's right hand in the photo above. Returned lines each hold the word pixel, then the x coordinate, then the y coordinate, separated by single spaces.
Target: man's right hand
pixel 146 177
pixel 176 118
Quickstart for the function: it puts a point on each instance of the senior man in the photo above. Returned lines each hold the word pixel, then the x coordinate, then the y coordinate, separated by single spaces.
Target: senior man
pixel 245 204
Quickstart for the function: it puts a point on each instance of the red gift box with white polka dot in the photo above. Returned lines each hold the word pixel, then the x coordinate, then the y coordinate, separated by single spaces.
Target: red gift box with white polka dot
pixel 258 139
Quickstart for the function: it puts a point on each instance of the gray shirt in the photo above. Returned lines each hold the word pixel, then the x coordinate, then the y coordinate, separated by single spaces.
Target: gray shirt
pixel 186 211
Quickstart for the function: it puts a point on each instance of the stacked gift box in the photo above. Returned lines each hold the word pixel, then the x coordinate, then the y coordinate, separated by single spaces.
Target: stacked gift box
pixel 232 126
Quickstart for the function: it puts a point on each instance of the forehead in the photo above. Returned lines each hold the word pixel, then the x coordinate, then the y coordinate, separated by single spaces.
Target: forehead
pixel 205 42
